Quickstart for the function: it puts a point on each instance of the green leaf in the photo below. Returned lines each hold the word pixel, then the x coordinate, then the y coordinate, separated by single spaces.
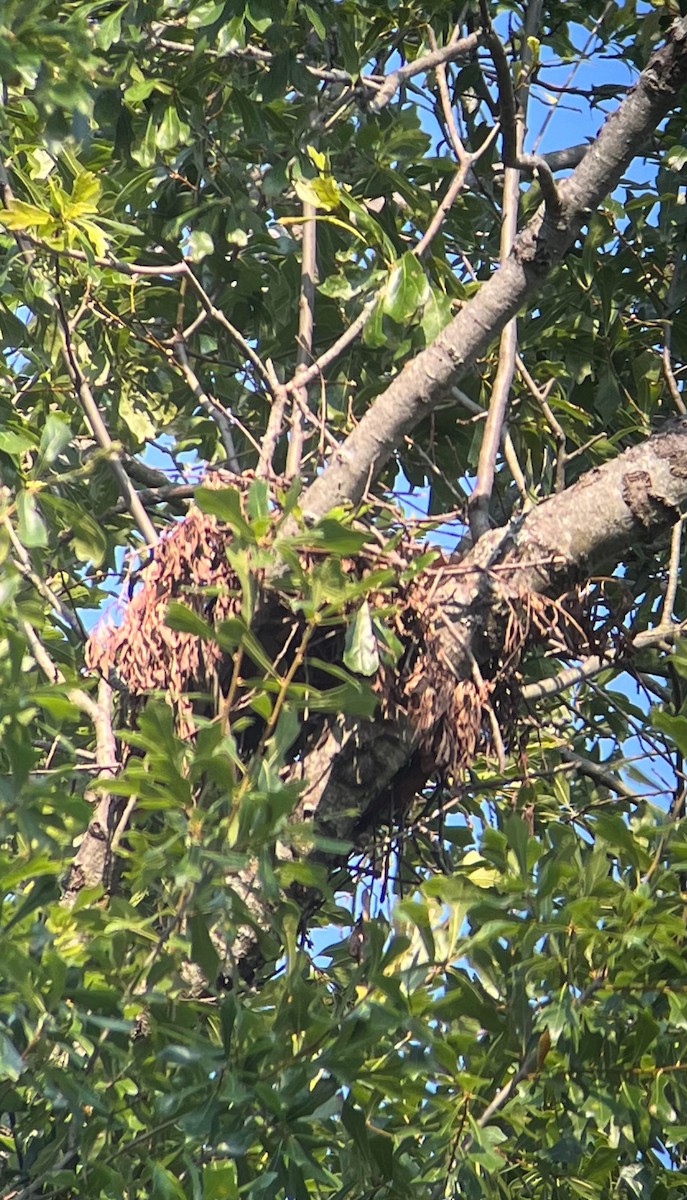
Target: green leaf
pixel 84 197
pixel 315 20
pixel 171 130
pixel 436 315
pixel 322 192
pixel 232 35
pixel 225 503
pixel 203 951
pixel 361 654
pixel 55 437
pixel 258 506
pixel 234 632
pixel 89 541
pixel 30 524
pixel 287 730
pixel 164 1185
pixel 205 13
pixel 198 245
pixel 25 216
pixel 674 727
pixel 407 290
pixel 184 620
pixel 15 443
pixel 487 1141
pixel 11 1062
pixel 260 15
pixel 220 1182
pixel 338 537
pixel 676 157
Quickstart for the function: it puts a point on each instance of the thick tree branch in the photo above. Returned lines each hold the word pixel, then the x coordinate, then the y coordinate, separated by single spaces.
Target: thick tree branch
pixel 423 383
pixel 588 528
pixel 356 775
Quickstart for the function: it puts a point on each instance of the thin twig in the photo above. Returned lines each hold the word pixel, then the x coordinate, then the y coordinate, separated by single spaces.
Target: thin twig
pixel 598 773
pixel 668 612
pixel 318 424
pixel 456 48
pixel 275 423
pixel 480 500
pixel 52 672
pixel 457 184
pixel 109 263
pixel 337 348
pixel 357 326
pixel 101 432
pixel 513 111
pixel 39 1182
pixel 504 1093
pixel 25 568
pixel 234 333
pixel 151 497
pixel 541 395
pixel 509 451
pixel 496 736
pixel 212 407
pixel 435 470
pixel 668 373
pixel 447 108
pixel 504 82
pixel 595 663
pixel 320 365
pixel 565 86
pixel 306 327
pixel 535 164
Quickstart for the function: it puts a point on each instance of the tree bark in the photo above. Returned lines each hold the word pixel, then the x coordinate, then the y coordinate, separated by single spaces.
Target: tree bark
pixel 355 771
pixel 424 383
pixel 358 775
pixel 588 529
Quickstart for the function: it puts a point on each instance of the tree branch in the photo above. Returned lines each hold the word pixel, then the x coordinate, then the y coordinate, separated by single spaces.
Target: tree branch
pixel 562 541
pixel 513 106
pixel 306 328
pixel 422 384
pixel 82 389
pixel 353 766
pixel 496 416
pixel 101 433
pixel 662 635
pixel 210 405
pixel 456 48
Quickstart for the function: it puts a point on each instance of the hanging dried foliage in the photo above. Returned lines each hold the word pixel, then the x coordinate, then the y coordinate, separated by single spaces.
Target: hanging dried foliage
pixel 452 717
pixel 188 563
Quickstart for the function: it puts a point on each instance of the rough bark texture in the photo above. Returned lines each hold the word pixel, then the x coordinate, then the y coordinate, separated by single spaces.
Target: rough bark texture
pixel 360 776
pixel 354 772
pixel 423 383
pixel 588 528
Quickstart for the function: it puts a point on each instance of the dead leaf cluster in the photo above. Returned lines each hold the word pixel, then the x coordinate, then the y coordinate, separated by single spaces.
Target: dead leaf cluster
pixel 453 718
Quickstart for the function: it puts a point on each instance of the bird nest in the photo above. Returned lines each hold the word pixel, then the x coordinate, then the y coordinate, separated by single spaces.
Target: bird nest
pixel 451 718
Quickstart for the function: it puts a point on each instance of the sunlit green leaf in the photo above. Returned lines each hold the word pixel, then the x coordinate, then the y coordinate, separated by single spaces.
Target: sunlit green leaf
pixel 30 524
pixel 361 654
